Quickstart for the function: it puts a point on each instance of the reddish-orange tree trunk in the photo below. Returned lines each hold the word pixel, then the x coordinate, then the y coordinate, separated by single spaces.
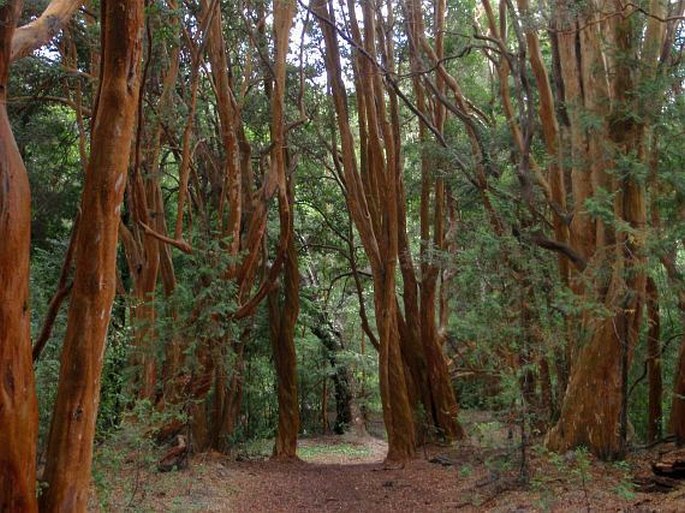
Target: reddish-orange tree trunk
pixel 284 319
pixel 69 455
pixel 372 195
pixel 601 82
pixel 18 413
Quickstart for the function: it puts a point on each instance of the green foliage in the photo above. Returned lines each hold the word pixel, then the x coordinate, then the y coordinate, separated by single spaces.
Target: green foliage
pixel 260 405
pixel 508 311
pixel 44 274
pixel 121 463
pixel 198 311
pixel 625 488
pixel 114 394
pixel 488 284
pixel 465 471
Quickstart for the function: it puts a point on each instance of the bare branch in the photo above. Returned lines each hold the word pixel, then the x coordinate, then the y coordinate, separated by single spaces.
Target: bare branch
pixel 177 243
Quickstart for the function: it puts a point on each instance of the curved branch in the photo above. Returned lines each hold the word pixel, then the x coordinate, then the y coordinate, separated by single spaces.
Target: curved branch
pixel 559 247
pixel 177 243
pixel 38 32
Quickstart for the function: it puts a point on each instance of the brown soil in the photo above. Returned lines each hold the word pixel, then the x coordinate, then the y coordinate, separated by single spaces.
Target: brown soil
pixel 348 474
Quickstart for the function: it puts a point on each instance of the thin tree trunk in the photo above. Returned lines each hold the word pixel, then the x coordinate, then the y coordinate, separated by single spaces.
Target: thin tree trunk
pixel 283 319
pixel 677 420
pixel 342 378
pixel 283 337
pixel 372 201
pixel 654 377
pixel 70 442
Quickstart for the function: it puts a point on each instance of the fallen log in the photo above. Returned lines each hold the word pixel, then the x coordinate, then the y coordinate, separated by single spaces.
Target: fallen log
pixel 655 484
pixel 176 458
pixel 671 464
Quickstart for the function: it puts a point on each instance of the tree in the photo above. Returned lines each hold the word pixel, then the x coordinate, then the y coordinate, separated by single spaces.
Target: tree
pixel 283 318
pixel 72 430
pixel 599 81
pixel 425 358
pixel 18 410
pixel 372 199
pixel 18 414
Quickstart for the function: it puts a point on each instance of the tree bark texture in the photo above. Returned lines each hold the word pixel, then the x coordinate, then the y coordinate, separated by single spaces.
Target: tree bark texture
pixel 598 81
pixel 372 196
pixel 70 442
pixel 18 409
pixel 284 318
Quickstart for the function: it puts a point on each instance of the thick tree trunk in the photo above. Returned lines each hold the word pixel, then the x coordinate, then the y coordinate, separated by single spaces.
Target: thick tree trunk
pixel 18 410
pixel 602 83
pixel 591 410
pixel 70 443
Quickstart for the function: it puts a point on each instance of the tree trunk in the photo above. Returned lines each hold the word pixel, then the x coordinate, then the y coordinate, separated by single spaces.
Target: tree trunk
pixel 18 408
pixel 590 418
pixel 70 442
pixel 677 420
pixel 602 82
pixel 372 196
pixel 284 318
pixel 444 402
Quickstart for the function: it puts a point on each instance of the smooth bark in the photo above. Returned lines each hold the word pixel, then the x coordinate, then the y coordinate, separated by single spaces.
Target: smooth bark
pixel 70 442
pixel 372 195
pixel 18 409
pixel 40 31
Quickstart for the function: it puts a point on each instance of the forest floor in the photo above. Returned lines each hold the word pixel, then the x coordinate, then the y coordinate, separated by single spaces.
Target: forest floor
pixel 347 474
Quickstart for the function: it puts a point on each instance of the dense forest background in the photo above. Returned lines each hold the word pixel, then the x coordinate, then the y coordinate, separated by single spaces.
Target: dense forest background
pixel 250 220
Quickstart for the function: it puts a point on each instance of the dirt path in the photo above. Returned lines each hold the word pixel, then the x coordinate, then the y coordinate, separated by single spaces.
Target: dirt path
pixel 347 474
pixel 335 475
